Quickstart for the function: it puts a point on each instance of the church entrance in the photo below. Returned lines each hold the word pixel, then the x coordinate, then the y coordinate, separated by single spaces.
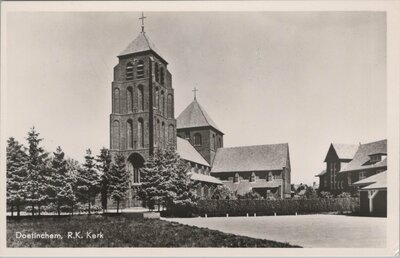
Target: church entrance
pixel 135 163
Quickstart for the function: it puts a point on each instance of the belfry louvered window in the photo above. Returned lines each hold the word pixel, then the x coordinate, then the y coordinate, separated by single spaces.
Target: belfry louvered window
pixel 140 69
pixel 129 71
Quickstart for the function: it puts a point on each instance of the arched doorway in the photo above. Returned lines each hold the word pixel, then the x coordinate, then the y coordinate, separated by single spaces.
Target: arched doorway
pixel 135 163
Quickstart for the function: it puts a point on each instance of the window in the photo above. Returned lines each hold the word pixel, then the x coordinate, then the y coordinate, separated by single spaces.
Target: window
pixel 325 182
pixel 140 98
pixel 129 134
pixel 115 142
pixel 197 139
pixel 187 135
pixel 362 175
pixel 140 69
pixel 116 101
pixel 214 142
pixel 170 105
pixel 236 178
pixel 170 134
pixel 136 175
pixel 156 99
pixel 129 99
pixel 140 134
pixel 129 71
pixel 162 106
pixel 206 193
pixel 219 142
pixel 348 179
pixel 157 72
pixel 253 177
pixel 162 75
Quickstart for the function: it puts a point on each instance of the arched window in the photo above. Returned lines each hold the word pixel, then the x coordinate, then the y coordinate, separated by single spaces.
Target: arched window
pixel 162 105
pixel 236 178
pixel 158 133
pixel 206 192
pixel 129 99
pixel 170 106
pixel 162 75
pixel 253 177
pixel 140 133
pixel 157 99
pixel 129 71
pixel 163 135
pixel 129 134
pixel 140 98
pixel 197 139
pixel 140 69
pixel 170 134
pixel 157 72
pixel 199 190
pixel 270 177
pixel 115 134
pixel 116 101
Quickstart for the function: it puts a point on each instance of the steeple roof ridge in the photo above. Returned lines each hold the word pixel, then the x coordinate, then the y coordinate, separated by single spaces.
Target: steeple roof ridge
pixel 195 115
pixel 140 44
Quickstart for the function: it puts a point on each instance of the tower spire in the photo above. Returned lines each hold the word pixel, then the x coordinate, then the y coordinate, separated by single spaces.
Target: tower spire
pixel 142 18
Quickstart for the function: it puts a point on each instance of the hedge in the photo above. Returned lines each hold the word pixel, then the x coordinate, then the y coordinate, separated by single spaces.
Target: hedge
pixel 241 207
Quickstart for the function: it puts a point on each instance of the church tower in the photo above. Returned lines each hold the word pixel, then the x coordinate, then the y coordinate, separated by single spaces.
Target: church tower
pixel 142 117
pixel 195 125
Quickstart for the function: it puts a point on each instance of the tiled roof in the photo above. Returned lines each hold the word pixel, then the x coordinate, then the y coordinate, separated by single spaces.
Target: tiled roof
pixel 187 152
pixel 323 172
pixel 251 158
pixel 139 44
pixel 243 187
pixel 205 178
pixel 362 156
pixel 371 179
pixel 345 151
pixel 379 184
pixel 194 115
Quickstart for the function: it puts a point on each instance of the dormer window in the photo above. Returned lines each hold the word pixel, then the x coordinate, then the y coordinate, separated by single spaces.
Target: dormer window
pixel 270 177
pixel 376 157
pixel 253 177
pixel 236 178
pixel 140 69
pixel 129 71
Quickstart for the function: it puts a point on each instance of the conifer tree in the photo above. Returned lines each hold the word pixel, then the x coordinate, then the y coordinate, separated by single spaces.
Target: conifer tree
pixel 36 183
pixel 88 180
pixel 103 165
pixel 118 179
pixel 165 179
pixel 16 174
pixel 61 182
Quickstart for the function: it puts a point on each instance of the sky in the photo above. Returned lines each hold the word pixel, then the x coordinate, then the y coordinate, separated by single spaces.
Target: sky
pixel 303 78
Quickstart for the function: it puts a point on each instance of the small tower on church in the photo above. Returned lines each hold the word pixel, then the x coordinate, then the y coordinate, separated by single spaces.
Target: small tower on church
pixel 195 125
pixel 142 117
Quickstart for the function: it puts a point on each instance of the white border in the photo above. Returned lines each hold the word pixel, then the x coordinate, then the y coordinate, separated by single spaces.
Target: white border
pixel 392 9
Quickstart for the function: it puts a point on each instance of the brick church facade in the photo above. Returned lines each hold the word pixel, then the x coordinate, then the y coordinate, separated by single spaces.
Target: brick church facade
pixel 143 119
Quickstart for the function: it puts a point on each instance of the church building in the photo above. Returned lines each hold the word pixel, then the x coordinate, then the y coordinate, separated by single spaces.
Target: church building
pixel 143 119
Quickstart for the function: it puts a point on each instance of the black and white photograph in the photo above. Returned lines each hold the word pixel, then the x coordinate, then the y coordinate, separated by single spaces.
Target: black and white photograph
pixel 150 127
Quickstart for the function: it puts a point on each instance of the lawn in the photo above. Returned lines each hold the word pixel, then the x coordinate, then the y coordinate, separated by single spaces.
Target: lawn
pixel 128 230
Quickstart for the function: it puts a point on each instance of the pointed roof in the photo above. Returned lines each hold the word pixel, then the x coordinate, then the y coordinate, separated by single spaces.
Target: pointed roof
pixel 343 151
pixel 140 44
pixel 194 115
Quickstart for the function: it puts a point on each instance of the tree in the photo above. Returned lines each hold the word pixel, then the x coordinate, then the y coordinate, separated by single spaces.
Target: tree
pixel 118 179
pixel 222 192
pixel 103 165
pixel 326 195
pixel 251 195
pixel 36 182
pixel 16 174
pixel 61 182
pixel 311 193
pixel 165 180
pixel 88 180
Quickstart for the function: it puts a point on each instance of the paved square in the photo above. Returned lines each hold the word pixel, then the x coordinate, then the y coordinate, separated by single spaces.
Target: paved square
pixel 305 230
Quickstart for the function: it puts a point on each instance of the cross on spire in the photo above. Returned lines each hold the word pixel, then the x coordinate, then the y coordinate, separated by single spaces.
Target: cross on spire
pixel 142 18
pixel 195 90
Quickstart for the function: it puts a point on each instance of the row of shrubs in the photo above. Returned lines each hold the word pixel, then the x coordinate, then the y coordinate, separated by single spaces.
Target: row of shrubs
pixel 241 207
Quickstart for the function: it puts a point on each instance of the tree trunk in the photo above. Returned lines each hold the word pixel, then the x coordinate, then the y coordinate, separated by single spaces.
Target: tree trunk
pixel 89 205
pixel 117 206
pixel 58 209
pixel 12 210
pixel 18 210
pixel 39 209
pixel 33 209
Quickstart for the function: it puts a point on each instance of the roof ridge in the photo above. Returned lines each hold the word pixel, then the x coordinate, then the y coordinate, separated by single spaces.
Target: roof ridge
pixel 255 145
pixel 202 111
